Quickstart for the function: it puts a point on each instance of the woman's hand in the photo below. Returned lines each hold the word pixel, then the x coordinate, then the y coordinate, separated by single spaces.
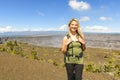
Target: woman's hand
pixel 65 42
pixel 68 41
pixel 81 40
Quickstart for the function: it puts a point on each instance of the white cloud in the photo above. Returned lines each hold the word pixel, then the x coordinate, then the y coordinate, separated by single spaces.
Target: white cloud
pixel 84 19
pixel 63 27
pixel 105 18
pixel 79 5
pixel 11 29
pixel 96 29
pixel 5 29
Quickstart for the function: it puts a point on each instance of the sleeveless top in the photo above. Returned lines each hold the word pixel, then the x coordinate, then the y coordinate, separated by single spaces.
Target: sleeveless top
pixel 74 53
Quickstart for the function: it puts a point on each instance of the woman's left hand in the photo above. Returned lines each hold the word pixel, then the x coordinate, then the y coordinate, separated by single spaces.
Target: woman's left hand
pixel 81 40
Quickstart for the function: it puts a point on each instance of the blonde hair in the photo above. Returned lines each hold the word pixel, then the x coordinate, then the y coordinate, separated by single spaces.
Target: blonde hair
pixel 79 32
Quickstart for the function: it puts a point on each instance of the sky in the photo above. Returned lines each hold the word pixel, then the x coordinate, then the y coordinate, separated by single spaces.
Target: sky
pixel 54 15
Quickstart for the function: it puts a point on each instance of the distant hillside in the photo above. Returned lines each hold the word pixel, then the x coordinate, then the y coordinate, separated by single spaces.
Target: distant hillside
pixel 54 39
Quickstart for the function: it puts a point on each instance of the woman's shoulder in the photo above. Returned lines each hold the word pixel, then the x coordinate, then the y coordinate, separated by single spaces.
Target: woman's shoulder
pixel 65 37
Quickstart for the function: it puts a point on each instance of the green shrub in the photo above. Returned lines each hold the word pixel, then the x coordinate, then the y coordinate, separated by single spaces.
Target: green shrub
pixel 34 54
pixel 55 63
pixel 117 73
pixel 90 67
pixel 42 59
pixel 17 50
pixel 109 66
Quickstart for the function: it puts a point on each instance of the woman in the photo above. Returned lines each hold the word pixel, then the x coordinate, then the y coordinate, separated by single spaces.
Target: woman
pixel 72 49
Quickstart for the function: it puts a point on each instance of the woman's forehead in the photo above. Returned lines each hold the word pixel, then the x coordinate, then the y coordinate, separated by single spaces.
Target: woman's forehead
pixel 74 22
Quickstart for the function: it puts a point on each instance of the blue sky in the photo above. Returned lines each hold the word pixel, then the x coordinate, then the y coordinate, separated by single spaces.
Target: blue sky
pixel 45 15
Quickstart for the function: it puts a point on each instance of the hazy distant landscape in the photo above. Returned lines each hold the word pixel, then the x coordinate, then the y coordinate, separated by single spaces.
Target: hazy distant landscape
pixel 54 39
pixel 38 57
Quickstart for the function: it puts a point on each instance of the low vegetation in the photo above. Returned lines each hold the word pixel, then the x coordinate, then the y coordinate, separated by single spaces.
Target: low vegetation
pixel 97 61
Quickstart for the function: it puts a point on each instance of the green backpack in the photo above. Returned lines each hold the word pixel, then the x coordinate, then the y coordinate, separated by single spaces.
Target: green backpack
pixel 68 54
pixel 83 45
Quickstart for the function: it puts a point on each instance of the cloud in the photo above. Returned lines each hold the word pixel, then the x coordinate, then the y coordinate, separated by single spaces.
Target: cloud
pixel 11 29
pixel 60 28
pixel 79 5
pixel 84 19
pixel 105 18
pixel 96 29
pixel 63 27
pixel 6 29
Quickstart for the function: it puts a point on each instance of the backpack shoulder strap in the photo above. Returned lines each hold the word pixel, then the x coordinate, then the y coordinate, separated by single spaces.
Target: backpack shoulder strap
pixel 68 36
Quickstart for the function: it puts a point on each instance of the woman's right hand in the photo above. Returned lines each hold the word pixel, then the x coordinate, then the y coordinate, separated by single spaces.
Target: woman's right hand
pixel 65 42
pixel 68 41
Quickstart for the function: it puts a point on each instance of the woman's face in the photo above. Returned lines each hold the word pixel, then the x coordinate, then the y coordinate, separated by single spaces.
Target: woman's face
pixel 73 26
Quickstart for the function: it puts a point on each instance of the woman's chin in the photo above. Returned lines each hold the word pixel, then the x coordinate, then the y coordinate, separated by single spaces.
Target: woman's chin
pixel 73 30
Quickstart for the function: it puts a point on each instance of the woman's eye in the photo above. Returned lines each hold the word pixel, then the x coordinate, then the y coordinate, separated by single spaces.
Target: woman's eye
pixel 76 25
pixel 72 24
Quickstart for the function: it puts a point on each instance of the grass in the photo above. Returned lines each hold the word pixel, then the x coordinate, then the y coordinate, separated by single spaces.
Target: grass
pixel 49 64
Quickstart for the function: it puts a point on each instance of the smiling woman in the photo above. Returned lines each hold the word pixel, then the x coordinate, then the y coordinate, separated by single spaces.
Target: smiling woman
pixel 72 50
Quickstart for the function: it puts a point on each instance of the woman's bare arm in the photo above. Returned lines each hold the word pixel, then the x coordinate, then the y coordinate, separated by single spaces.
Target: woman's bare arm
pixel 65 42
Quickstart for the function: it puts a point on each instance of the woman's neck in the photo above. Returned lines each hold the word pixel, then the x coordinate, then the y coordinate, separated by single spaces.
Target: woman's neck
pixel 73 33
pixel 73 36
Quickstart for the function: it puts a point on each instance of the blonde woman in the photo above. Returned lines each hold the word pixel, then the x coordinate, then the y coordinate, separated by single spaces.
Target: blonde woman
pixel 73 51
